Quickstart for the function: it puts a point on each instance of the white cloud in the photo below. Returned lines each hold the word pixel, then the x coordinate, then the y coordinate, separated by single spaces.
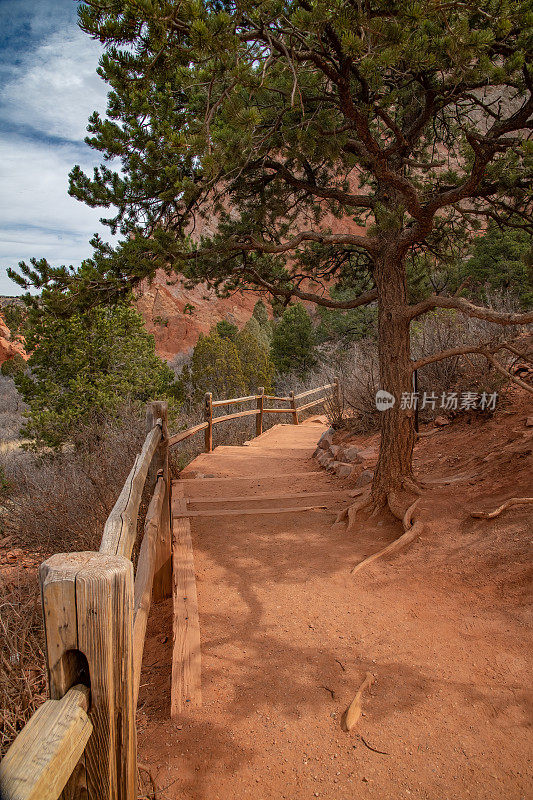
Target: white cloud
pixel 55 88
pixel 51 90
pixel 37 216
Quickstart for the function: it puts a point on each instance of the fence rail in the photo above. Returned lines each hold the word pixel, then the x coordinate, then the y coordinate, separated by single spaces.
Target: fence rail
pixel 210 421
pixel 81 743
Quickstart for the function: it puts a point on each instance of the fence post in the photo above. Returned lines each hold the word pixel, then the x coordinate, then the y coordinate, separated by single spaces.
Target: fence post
pixel 88 620
pixel 294 409
pixel 162 584
pixel 260 406
pixel 208 417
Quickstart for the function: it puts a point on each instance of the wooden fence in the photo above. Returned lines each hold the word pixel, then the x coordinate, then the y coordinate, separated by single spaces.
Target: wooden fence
pixel 81 743
pixel 329 391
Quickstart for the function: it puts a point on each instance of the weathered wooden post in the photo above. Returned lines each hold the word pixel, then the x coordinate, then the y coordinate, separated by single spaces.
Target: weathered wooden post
pixel 259 416
pixel 88 620
pixel 294 409
pixel 208 417
pixel 162 585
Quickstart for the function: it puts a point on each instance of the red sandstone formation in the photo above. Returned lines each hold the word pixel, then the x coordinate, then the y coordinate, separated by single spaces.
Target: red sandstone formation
pixel 176 316
pixel 8 347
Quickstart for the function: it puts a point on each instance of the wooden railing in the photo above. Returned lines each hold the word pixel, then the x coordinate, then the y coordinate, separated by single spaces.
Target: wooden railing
pixel 329 391
pixel 81 743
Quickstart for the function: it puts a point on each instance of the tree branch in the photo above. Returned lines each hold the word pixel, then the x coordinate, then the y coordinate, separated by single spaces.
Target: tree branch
pixel 362 300
pixel 507 374
pixel 251 244
pixel 451 353
pixel 484 350
pixel 359 201
pixel 471 310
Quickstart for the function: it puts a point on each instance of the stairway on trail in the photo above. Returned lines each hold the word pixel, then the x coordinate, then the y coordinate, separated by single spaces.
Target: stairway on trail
pixel 236 490
pixel 255 555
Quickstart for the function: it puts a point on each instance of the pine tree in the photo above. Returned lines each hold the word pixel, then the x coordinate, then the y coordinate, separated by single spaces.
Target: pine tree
pixel 227 330
pixel 216 368
pixel 254 355
pixel 499 261
pixel 322 140
pixel 293 342
pixel 86 364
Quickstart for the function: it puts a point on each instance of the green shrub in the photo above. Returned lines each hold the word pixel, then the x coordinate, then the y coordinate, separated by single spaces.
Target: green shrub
pixel 294 342
pixel 86 364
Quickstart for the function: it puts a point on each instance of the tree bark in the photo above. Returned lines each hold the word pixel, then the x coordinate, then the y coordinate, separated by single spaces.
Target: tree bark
pixel 394 471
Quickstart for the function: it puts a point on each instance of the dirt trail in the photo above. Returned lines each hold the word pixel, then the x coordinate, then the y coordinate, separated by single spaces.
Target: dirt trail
pixel 288 637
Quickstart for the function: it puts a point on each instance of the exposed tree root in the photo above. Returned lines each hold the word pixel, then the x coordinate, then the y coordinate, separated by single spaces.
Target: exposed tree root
pixel 408 517
pixel 399 502
pixel 347 515
pixel 412 485
pixel 342 516
pixel 514 501
pixel 354 510
pixel 353 712
pixel 411 531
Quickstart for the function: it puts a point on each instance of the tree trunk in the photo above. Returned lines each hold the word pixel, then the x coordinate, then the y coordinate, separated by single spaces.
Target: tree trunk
pixel 394 471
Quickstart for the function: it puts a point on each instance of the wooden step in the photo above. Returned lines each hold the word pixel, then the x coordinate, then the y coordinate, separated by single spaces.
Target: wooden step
pixel 239 512
pixel 252 498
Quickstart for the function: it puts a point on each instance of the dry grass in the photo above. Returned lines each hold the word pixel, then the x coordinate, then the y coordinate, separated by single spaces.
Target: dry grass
pixel 358 367
pixel 58 502
pixel 22 676
pixel 54 502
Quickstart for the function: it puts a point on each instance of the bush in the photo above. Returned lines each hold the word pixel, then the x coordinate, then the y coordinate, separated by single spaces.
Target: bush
pixel 254 356
pixel 444 330
pixel 501 261
pixel 13 366
pixel 228 365
pixel 85 365
pixel 11 408
pixel 59 501
pixel 226 330
pixel 216 368
pixel 49 503
pixel 293 342
pixel 22 678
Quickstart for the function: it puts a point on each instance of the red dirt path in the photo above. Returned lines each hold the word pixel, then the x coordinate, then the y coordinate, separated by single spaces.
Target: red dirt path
pixel 288 635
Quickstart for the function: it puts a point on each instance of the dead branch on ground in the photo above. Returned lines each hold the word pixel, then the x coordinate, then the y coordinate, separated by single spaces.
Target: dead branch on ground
pixel 353 712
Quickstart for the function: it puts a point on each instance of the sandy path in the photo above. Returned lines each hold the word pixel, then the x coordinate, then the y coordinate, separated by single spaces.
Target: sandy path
pixel 288 635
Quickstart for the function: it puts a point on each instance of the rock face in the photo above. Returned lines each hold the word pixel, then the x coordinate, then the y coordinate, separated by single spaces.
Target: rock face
pixel 176 316
pixel 8 348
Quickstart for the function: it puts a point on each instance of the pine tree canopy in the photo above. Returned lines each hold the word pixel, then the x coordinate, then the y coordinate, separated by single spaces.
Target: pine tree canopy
pixel 279 122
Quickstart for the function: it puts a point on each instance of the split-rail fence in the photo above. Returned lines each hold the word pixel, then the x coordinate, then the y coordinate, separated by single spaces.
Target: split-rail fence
pixel 81 743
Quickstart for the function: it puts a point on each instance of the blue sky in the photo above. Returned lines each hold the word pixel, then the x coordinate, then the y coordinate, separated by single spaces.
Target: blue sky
pixel 49 87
